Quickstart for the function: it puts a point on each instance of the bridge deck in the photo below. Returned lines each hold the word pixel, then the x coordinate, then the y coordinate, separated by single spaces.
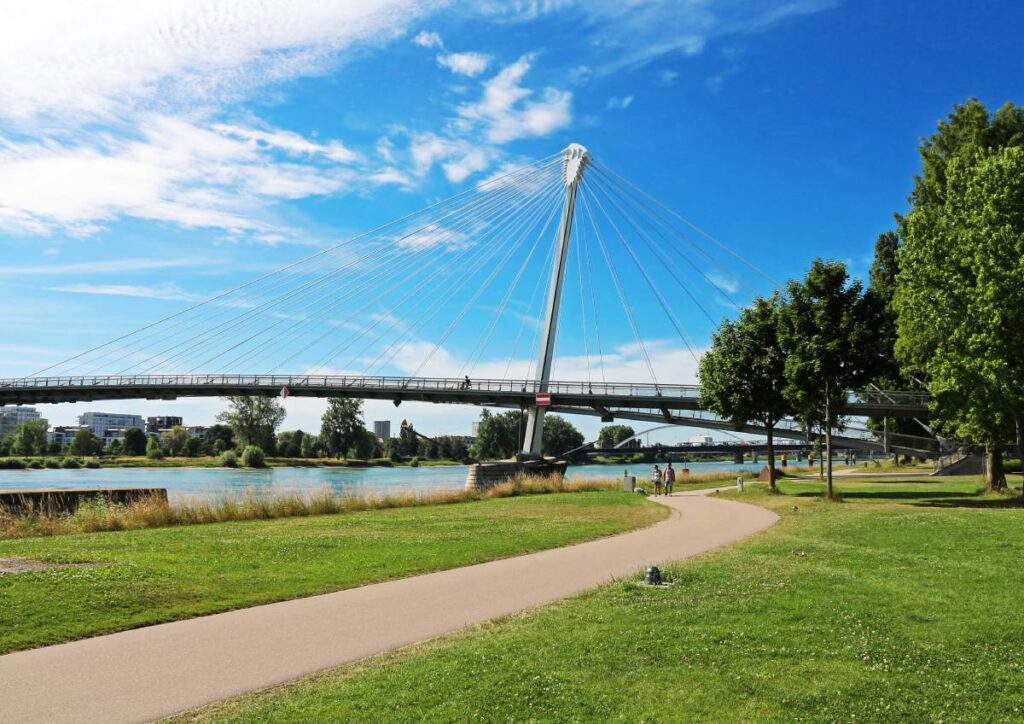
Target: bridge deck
pixel 517 393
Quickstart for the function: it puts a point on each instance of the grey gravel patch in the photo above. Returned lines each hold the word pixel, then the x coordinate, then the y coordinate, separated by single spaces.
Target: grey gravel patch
pixel 26 565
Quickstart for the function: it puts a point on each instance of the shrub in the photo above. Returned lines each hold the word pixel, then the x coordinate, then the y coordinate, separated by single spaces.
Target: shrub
pixel 253 457
pixel 51 463
pixel 153 449
pixel 35 464
pixel 415 462
pixel 70 463
pixel 228 458
pixel 12 464
pixel 92 464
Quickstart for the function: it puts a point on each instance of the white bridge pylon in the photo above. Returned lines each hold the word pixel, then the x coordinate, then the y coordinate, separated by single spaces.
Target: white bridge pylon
pixel 574 161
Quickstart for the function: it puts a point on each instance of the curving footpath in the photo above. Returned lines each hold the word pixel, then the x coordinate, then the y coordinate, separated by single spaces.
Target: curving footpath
pixel 152 672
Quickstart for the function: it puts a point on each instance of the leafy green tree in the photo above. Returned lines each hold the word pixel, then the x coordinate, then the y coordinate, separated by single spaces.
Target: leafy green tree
pixel 85 443
pixel 254 420
pixel 310 446
pixel 559 436
pixel 153 449
pixel 827 328
pixel 253 457
pixel 29 438
pixel 194 447
pixel 134 442
pixel 497 435
pixel 408 441
pixel 289 443
pixel 958 298
pixel 612 435
pixel 743 375
pixel 341 423
pixel 217 433
pixel 365 446
pixel 175 441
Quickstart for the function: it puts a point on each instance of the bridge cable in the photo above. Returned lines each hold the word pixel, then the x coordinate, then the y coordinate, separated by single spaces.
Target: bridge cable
pixel 618 287
pixel 247 284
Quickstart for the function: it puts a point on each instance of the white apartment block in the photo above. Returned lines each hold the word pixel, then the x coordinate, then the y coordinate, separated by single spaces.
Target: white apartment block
pixel 101 422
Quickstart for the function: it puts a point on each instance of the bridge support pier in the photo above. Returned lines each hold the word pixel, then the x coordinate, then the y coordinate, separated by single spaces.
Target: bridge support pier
pixel 737 458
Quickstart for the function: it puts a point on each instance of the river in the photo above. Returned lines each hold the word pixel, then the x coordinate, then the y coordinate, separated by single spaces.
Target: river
pixel 203 482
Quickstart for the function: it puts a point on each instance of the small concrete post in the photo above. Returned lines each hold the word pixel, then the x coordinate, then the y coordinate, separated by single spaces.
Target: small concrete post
pixel 739 484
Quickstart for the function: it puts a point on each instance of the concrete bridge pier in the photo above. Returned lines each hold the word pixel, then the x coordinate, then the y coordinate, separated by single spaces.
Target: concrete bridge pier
pixel 737 458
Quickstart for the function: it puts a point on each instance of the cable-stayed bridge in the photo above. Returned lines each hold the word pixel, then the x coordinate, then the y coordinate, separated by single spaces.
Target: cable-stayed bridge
pixel 483 286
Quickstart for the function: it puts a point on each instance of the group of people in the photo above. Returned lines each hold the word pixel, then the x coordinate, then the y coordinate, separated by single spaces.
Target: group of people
pixel 666 477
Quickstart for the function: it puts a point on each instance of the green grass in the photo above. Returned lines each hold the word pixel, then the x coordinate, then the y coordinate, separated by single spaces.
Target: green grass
pixel 900 604
pixel 154 575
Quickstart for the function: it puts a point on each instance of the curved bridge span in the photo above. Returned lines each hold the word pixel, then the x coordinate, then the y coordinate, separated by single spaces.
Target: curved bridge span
pixel 606 398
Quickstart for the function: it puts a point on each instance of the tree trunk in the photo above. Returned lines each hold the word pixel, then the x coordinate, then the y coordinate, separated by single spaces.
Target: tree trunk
pixel 828 444
pixel 771 458
pixel 1019 419
pixel 995 476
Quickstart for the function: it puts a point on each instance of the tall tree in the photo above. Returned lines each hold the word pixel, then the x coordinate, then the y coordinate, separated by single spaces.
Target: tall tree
pixel 175 441
pixel 29 438
pixel 254 420
pixel 958 303
pixel 498 435
pixel 828 329
pixel 85 443
pixel 340 424
pixel 742 376
pixel 612 435
pixel 134 442
pixel 559 436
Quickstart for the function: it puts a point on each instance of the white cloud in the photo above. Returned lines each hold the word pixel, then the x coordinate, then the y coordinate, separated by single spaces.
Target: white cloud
pixel 667 78
pixel 616 103
pixel 161 291
pixel 428 39
pixel 95 59
pixel 222 176
pixel 508 112
pixel 458 157
pixel 471 64
pixel 628 35
pixel 102 267
pixel 722 282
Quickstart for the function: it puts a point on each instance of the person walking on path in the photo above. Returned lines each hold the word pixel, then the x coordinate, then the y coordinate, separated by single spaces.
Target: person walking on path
pixel 656 479
pixel 670 479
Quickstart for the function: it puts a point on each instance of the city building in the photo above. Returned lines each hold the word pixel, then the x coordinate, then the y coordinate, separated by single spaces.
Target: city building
pixel 101 422
pixel 158 424
pixel 700 440
pixel 382 429
pixel 475 429
pixel 62 434
pixel 12 416
pixel 196 430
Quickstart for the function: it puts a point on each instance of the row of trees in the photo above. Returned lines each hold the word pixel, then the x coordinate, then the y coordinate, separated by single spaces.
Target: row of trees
pixel 797 354
pixel 944 310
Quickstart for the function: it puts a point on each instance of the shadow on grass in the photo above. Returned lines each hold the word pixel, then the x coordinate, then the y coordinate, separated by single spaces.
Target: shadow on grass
pixel 932 499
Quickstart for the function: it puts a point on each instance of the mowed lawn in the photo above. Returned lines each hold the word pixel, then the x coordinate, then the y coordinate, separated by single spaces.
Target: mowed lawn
pixel 901 604
pixel 155 575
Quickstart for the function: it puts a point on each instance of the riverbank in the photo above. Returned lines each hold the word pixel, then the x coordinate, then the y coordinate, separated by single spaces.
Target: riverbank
pixel 103 582
pixel 885 607
pixel 206 461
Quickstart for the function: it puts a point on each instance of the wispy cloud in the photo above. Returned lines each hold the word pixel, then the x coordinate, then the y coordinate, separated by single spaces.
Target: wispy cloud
pixel 471 64
pixel 722 282
pixel 95 60
pixel 117 266
pixel 616 103
pixel 170 292
pixel 509 110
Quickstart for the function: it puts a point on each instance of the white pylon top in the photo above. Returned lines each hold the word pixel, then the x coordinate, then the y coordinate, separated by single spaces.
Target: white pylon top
pixel 574 159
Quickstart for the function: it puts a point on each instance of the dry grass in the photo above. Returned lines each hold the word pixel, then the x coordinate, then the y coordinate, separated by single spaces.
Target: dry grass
pixel 101 515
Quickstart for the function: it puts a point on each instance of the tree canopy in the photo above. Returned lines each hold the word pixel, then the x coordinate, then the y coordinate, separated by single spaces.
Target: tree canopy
pixel 340 425
pixel 958 300
pixel 612 435
pixel 559 436
pixel 254 420
pixel 742 376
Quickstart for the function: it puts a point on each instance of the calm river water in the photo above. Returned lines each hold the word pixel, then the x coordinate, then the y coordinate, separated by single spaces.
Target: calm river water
pixel 192 482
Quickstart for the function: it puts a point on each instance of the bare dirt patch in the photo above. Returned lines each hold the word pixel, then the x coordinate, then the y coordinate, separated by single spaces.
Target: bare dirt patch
pixel 26 565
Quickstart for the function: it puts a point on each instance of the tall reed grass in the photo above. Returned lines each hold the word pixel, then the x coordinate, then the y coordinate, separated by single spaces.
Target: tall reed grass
pixel 101 515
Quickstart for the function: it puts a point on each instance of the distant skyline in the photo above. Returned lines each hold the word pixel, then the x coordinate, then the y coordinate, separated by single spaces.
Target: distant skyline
pixel 152 155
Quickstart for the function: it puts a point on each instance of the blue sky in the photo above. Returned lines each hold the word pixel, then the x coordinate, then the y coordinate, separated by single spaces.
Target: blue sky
pixel 152 154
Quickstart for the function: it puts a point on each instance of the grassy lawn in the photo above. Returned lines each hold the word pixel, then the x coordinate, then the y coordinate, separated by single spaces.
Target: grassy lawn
pixel 900 604
pixel 154 575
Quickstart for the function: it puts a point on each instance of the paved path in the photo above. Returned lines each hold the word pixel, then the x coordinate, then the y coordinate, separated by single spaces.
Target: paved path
pixel 156 671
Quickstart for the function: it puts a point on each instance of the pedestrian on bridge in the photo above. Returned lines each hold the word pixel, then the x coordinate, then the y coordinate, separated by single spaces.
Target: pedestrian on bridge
pixel 670 479
pixel 656 479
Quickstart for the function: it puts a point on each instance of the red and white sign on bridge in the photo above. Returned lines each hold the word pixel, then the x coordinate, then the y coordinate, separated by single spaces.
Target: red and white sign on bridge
pixel 543 399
